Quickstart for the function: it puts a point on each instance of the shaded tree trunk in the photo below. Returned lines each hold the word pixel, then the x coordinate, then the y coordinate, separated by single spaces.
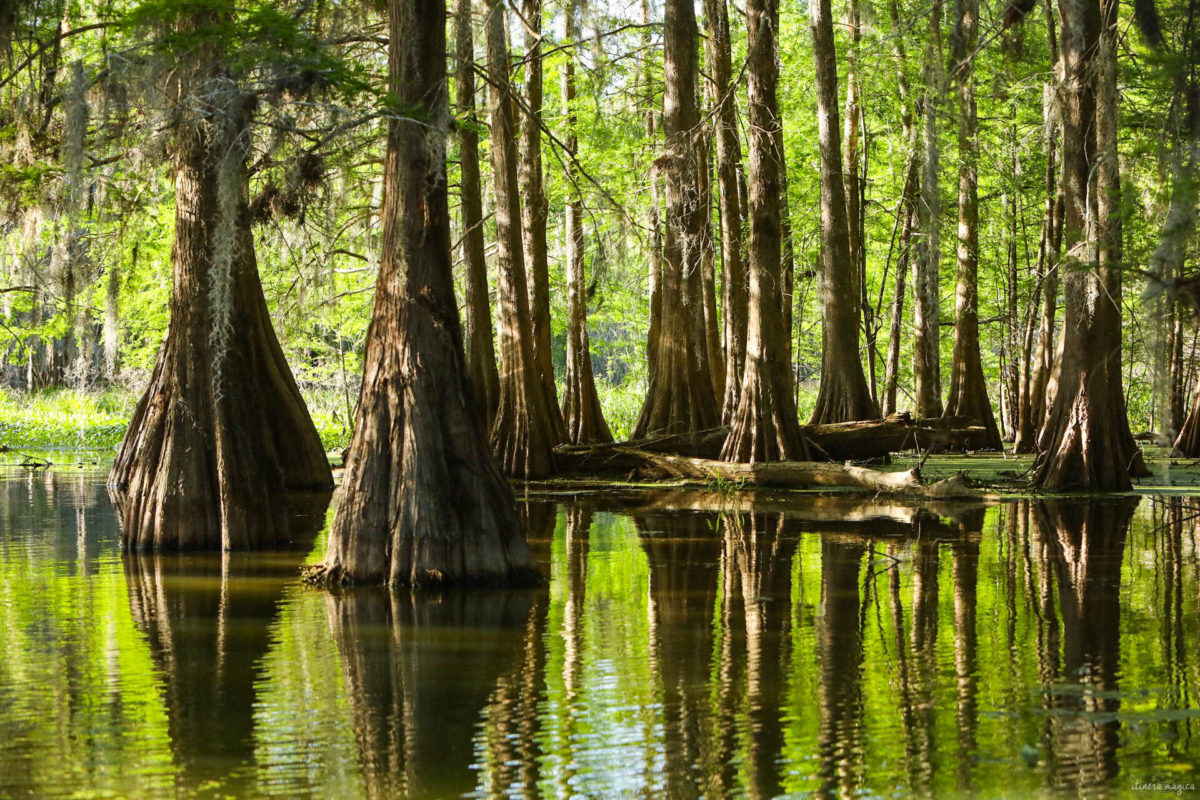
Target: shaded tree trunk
pixel 534 214
pixel 654 266
pixel 843 394
pixel 112 320
pixel 708 265
pixel 729 157
pixel 765 426
pixel 968 388
pixel 1086 442
pixel 523 433
pixel 908 215
pixel 422 499
pixel 581 405
pixel 222 432
pixel 927 369
pixel 481 349
pixel 680 396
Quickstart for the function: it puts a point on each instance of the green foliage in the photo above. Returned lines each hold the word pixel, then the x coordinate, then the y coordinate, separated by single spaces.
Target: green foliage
pixel 64 418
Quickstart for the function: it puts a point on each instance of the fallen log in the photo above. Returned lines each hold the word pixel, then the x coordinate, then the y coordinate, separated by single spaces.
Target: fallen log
pixel 795 474
pixel 843 441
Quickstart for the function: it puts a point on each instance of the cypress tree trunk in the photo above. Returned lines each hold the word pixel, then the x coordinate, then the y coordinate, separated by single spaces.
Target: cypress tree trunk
pixel 112 320
pixel 968 389
pixel 221 434
pixel 534 213
pixel 1086 442
pixel 654 267
pixel 680 397
pixel 729 157
pixel 522 435
pixel 708 266
pixel 843 395
pixel 422 499
pixel 581 406
pixel 908 212
pixel 765 426
pixel 927 369
pixel 481 349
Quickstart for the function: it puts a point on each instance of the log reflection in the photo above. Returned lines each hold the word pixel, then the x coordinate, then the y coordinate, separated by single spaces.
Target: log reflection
pixel 207 618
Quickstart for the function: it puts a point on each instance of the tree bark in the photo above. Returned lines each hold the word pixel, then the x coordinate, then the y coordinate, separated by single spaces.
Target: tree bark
pixel 221 434
pixel 765 426
pixel 534 214
pixel 908 212
pixel 680 396
pixel 968 388
pixel 729 158
pixel 581 405
pixel 1086 442
pixel 422 498
pixel 522 435
pixel 654 265
pixel 481 348
pixel 708 264
pixel 927 369
pixel 843 394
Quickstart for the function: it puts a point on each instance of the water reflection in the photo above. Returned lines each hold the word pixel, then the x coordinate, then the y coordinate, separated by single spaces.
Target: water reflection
pixel 207 618
pixel 419 670
pixel 688 645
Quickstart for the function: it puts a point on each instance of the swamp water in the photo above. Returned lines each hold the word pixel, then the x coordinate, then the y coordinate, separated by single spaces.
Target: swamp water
pixel 792 645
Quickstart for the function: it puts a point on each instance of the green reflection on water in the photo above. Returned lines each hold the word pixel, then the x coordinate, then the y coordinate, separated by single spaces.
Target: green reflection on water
pixel 824 648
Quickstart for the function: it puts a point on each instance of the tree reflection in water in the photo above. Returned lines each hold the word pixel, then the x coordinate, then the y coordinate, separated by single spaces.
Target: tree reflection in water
pixel 207 618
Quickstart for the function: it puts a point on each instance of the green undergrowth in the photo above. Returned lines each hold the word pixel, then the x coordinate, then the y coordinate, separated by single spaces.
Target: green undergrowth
pixel 54 419
pixel 81 419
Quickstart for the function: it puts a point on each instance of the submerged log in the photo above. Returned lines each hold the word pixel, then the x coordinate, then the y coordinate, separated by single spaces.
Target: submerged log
pixel 796 474
pixel 865 439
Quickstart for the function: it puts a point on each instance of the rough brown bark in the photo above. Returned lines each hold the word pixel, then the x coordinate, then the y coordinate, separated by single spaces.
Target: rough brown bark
pixel 680 396
pixel 968 388
pixel 581 405
pixel 654 265
pixel 927 369
pixel 481 348
pixel 221 434
pixel 523 434
pixel 422 499
pixel 764 427
pixel 534 216
pixel 1086 442
pixel 843 394
pixel 729 158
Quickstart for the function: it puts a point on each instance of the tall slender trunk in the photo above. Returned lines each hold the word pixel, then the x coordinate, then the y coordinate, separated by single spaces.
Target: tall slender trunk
pixel 423 500
pixel 927 369
pixel 843 394
pixel 680 396
pixel 222 434
pixel 968 389
pixel 765 426
pixel 522 435
pixel 729 158
pixel 481 348
pixel 581 405
pixel 654 264
pixel 112 319
pixel 534 215
pixel 908 212
pixel 708 267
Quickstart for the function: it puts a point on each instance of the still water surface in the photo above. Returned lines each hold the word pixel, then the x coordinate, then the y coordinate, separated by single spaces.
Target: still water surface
pixel 778 647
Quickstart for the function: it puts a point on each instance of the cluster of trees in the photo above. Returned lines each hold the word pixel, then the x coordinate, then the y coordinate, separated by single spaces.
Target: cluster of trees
pixel 268 115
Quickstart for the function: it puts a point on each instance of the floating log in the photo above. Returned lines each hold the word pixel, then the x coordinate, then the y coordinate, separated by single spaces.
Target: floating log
pixel 843 441
pixel 796 474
